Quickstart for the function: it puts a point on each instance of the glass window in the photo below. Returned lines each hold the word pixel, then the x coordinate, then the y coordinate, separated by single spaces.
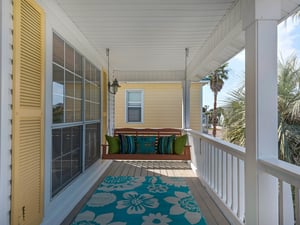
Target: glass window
pixel 134 106
pixel 70 58
pixel 75 89
pixel 66 156
pixel 58 50
pixel 92 144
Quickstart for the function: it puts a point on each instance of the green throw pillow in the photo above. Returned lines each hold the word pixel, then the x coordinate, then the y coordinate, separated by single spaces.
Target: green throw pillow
pixel 179 144
pixel 114 144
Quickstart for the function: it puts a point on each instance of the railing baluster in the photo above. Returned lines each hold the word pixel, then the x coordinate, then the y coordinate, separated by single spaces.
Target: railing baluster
pixel 238 189
pixel 227 179
pixel 222 175
pixel 297 205
pixel 215 169
pixel 218 172
pixel 232 182
pixel 280 202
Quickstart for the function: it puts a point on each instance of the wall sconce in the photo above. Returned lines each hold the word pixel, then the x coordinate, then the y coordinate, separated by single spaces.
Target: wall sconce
pixel 112 87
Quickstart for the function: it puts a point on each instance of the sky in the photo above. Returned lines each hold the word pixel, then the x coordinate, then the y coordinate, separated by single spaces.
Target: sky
pixel 288 44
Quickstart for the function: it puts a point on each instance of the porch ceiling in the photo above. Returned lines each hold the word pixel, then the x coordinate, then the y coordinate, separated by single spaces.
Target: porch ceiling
pixel 151 35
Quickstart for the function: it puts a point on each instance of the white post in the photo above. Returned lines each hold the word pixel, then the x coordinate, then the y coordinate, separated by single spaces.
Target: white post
pixel 261 190
pixel 186 103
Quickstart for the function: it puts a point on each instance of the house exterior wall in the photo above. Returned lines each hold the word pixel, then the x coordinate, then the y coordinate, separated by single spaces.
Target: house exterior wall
pixel 162 105
pixel 6 27
pixel 58 207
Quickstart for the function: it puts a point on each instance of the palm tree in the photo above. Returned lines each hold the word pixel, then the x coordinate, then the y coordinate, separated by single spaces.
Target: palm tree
pixel 216 81
pixel 289 109
pixel 234 117
pixel 288 112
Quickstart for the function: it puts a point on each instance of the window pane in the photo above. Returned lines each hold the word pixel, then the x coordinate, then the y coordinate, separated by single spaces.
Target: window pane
pixel 98 74
pixel 69 109
pixel 78 64
pixel 56 143
pixel 58 50
pixel 67 165
pixel 92 145
pixel 87 70
pixel 134 114
pixel 87 111
pixel 56 176
pixel 69 84
pixel 134 96
pixel 77 110
pixel 66 169
pixel 69 58
pixel 67 140
pixel 57 96
pixel 58 80
pixel 87 91
pixel 78 87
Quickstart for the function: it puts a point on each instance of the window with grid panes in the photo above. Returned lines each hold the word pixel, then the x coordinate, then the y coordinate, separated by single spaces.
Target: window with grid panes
pixel 134 106
pixel 75 114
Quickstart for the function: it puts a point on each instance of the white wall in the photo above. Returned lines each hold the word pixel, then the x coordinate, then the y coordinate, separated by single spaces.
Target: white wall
pixel 6 25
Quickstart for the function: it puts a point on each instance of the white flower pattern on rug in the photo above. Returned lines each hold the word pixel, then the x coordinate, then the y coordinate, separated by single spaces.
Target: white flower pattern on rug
pixel 156 219
pixel 184 204
pixel 101 199
pixel 136 203
pixel 89 218
pixel 157 188
pixel 121 183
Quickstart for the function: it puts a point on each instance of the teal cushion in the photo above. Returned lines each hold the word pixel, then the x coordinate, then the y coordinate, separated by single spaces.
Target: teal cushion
pixel 127 144
pixel 165 144
pixel 179 144
pixel 145 144
pixel 113 144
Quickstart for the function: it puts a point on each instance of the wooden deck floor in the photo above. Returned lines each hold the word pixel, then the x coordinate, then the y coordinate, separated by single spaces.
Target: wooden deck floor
pixel 182 169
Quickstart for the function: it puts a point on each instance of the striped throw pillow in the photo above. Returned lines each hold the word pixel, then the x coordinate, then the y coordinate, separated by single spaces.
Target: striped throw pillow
pixel 127 144
pixel 165 144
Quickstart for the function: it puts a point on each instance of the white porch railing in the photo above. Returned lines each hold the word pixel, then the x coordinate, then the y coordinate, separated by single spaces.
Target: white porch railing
pixel 220 167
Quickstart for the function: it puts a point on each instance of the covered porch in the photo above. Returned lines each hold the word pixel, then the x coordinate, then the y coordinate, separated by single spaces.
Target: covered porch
pixel 149 41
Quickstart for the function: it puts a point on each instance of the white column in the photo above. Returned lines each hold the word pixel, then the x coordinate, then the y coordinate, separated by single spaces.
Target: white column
pixel 110 113
pixel 261 190
pixel 186 87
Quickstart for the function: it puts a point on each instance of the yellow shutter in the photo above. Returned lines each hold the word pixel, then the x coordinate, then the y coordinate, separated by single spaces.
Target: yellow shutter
pixel 28 113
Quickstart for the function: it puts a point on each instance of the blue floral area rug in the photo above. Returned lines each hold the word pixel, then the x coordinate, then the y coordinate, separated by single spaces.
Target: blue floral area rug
pixel 121 200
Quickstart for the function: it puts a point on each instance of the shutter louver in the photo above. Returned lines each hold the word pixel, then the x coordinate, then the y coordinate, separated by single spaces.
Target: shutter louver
pixel 28 114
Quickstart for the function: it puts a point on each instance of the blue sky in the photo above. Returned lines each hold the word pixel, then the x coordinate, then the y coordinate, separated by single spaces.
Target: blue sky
pixel 288 44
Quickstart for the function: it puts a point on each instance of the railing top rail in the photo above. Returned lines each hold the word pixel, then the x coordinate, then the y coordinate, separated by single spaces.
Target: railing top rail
pixel 230 148
pixel 283 170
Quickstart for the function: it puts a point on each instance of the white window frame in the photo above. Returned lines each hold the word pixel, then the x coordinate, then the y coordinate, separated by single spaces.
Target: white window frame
pixel 142 105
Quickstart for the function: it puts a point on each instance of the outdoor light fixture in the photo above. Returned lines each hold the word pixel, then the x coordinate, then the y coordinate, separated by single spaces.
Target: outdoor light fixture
pixel 112 87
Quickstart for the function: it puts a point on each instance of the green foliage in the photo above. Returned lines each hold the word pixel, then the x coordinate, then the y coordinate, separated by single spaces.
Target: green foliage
pixel 288 112
pixel 234 117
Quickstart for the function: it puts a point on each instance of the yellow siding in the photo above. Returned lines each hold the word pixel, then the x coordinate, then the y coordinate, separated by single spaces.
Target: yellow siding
pixel 28 114
pixel 195 108
pixel 162 105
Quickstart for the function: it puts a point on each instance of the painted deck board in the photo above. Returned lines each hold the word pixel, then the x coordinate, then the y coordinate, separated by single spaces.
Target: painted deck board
pixel 209 209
